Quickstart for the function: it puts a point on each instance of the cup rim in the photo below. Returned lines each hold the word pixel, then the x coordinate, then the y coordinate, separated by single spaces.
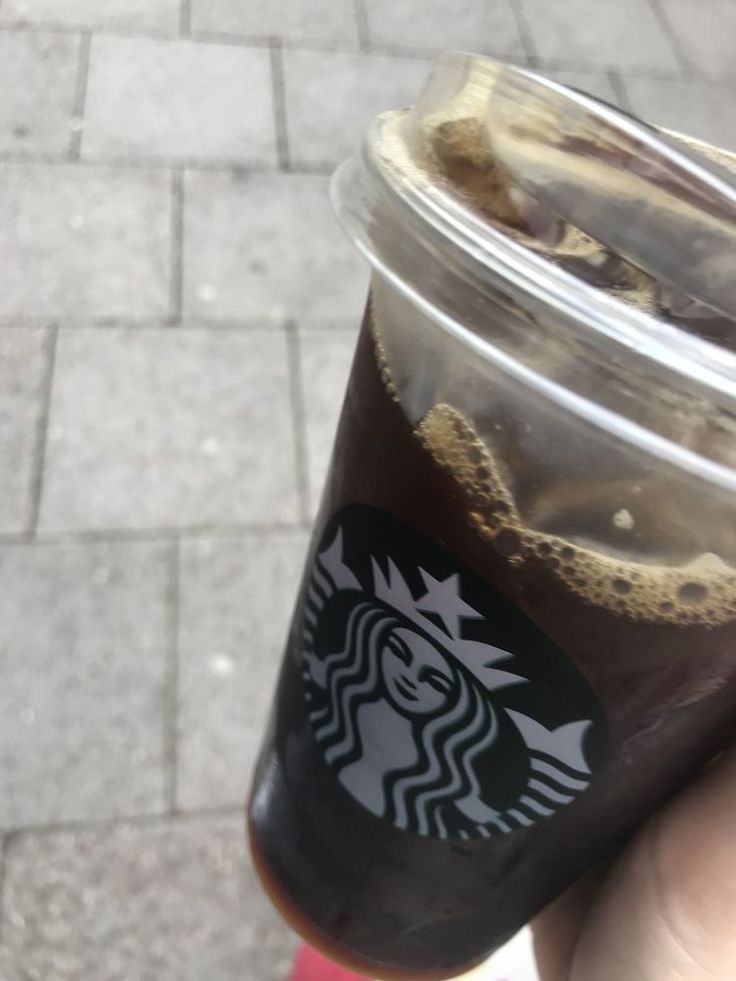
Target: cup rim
pixel 612 324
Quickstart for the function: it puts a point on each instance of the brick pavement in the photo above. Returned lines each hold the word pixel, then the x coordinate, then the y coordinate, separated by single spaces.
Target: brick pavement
pixel 177 309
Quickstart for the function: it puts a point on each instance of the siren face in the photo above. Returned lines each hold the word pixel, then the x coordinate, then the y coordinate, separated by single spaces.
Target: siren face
pixel 416 677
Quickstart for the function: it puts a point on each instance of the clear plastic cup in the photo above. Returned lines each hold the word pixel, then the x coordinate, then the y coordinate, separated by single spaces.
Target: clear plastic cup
pixel 515 634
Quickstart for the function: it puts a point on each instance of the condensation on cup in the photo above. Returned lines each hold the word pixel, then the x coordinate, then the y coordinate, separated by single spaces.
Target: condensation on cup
pixel 515 633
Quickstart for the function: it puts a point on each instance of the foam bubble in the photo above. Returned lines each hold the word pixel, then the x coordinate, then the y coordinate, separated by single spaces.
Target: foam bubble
pixel 507 541
pixel 692 592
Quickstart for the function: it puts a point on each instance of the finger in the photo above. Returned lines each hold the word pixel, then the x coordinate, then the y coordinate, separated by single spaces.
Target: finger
pixel 668 908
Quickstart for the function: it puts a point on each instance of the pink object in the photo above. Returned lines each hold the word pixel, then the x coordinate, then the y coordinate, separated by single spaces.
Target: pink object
pixel 310 965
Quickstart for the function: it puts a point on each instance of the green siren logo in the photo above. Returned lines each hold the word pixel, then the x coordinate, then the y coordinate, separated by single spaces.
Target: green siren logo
pixel 425 720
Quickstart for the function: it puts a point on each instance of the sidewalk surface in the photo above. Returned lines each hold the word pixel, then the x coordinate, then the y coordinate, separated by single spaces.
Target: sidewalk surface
pixel 177 311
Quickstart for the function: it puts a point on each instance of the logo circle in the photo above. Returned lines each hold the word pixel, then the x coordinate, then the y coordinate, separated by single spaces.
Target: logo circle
pixel 438 705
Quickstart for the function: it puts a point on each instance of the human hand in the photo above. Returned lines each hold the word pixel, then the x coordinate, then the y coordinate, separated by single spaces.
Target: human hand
pixel 665 910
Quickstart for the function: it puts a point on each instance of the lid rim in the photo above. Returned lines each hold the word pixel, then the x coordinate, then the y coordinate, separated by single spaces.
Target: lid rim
pixel 583 306
pixel 615 322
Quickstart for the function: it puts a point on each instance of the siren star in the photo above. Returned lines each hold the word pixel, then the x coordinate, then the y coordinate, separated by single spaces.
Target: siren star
pixel 443 599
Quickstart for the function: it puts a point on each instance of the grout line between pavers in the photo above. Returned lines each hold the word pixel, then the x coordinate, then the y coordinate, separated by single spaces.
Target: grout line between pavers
pixel 153 162
pixel 194 323
pixel 298 419
pixel 80 97
pixel 431 54
pixel 111 824
pixel 233 40
pixel 162 535
pixel 176 265
pixel 689 71
pixel 619 87
pixel 402 51
pixel 228 38
pixel 105 30
pixel 278 88
pixel 185 18
pixel 525 34
pixel 42 432
pixel 660 14
pixel 171 694
pixel 252 41
pixel 361 20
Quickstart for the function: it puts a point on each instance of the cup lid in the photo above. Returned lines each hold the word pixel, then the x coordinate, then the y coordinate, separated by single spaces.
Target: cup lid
pixel 662 205
pixel 501 182
pixel 659 202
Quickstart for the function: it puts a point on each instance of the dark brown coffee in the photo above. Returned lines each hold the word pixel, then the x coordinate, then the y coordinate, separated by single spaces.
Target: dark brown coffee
pixel 555 692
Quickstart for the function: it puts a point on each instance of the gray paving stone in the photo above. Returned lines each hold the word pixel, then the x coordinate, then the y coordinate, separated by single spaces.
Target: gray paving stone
pixel 141 14
pixel 161 427
pixel 8 971
pixel 83 636
pixel 235 604
pixel 625 34
pixel 84 241
pixel 324 21
pixel 38 75
pixel 699 109
pixel 170 901
pixel 706 33
pixel 476 25
pixel 179 99
pixel 23 359
pixel 595 84
pixel 267 245
pixel 330 99
pixel 326 360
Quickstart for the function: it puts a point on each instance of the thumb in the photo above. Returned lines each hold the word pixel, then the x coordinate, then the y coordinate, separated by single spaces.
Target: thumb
pixel 667 910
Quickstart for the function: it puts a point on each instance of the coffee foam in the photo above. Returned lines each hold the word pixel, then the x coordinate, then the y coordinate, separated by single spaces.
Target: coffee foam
pixel 702 591
pixel 379 347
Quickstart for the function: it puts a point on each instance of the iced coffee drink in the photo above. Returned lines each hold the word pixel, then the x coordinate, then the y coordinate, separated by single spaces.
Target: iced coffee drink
pixel 515 634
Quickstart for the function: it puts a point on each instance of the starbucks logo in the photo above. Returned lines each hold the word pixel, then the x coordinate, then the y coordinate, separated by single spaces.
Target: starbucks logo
pixel 439 706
